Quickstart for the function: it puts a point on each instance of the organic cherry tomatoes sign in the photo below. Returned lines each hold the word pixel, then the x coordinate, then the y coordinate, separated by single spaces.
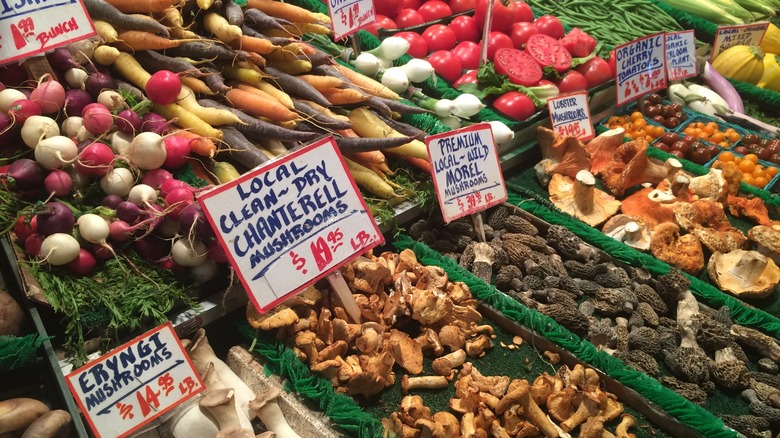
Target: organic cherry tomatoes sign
pixel 291 222
pixel 570 115
pixel 134 384
pixel 349 16
pixel 640 67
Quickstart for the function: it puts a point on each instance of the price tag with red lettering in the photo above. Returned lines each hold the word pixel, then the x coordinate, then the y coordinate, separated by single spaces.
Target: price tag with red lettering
pixel 680 55
pixel 134 384
pixel 570 115
pixel 739 35
pixel 31 27
pixel 349 16
pixel 640 67
pixel 467 171
pixel 291 222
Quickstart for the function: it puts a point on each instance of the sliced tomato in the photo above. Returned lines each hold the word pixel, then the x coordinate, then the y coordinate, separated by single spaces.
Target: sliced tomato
pixel 519 66
pixel 547 51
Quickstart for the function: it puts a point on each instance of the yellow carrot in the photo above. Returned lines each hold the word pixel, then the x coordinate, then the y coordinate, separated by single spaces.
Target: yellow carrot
pixel 128 67
pixel 302 28
pixel 106 31
pixel 106 55
pixel 196 85
pixel 134 40
pixel 322 83
pixel 292 67
pixel 219 26
pixel 280 95
pixel 369 180
pixel 213 116
pixel 172 17
pixel 143 6
pixel 225 172
pixel 187 120
pixel 205 4
pixel 274 146
pixel 367 124
pixel 245 75
pixel 367 84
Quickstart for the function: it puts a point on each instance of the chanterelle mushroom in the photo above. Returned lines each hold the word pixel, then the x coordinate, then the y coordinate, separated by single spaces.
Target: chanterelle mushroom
pixel 747 274
pixel 560 155
pixel 684 252
pixel 602 148
pixel 628 230
pixel 630 166
pixel 580 198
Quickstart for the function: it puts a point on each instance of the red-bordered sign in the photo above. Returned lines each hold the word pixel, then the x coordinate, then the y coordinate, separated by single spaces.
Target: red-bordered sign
pixel 640 68
pixel 349 16
pixel 750 34
pixel 570 115
pixel 680 55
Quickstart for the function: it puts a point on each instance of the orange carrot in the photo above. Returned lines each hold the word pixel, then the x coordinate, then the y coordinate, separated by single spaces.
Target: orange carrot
pixel 368 157
pixel 143 6
pixel 196 84
pixel 200 145
pixel 322 83
pixel 133 40
pixel 284 10
pixel 343 96
pixel 418 163
pixel 253 45
pixel 258 105
pixel 200 170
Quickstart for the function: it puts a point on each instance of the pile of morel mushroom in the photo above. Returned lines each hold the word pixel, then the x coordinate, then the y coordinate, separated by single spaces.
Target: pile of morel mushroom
pixel 655 207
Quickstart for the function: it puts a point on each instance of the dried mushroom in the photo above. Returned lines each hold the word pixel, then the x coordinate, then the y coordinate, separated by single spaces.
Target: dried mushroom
pixel 580 198
pixel 747 274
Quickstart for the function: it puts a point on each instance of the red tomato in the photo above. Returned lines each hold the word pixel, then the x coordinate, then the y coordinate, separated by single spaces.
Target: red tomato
pixel 470 77
pixel 503 15
pixel 446 64
pixel 465 28
pixel 387 7
pixel 461 5
pixel 520 33
pixel 498 40
pixel 468 53
pixel 550 26
pixel 434 10
pixel 410 4
pixel 381 22
pixel 523 13
pixel 439 37
pixel 596 71
pixel 572 81
pixel 408 18
pixel 417 45
pixel 515 105
pixel 611 62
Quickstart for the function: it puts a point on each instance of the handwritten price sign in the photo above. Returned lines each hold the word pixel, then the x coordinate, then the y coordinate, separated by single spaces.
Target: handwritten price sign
pixel 31 27
pixel 570 115
pixel 467 172
pixel 680 55
pixel 739 35
pixel 291 222
pixel 134 384
pixel 640 67
pixel 349 16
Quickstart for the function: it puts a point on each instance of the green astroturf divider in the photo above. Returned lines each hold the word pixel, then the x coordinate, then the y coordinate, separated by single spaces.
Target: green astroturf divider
pixel 693 415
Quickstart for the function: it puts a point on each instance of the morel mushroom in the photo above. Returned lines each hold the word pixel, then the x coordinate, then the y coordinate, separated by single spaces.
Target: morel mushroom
pixel 482 267
pixel 630 166
pixel 602 148
pixel 727 370
pixel 628 230
pixel 747 274
pixel 684 252
pixel 580 198
pixel 560 155
pixel 690 391
pixel 688 361
pixel 767 346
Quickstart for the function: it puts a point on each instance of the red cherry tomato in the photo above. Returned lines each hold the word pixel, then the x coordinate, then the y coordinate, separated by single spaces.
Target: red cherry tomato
pixel 410 4
pixel 596 71
pixel 434 10
pixel 498 40
pixel 468 53
pixel 520 33
pixel 523 13
pixel 458 6
pixel 387 8
pixel 417 45
pixel 446 64
pixel 381 22
pixel 550 26
pixel 408 18
pixel 465 28
pixel 515 105
pixel 572 81
pixel 611 62
pixel 439 37
pixel 470 77
pixel 503 15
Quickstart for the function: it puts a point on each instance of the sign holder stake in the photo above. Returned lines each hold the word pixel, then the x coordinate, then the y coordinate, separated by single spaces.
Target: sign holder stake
pixel 483 50
pixel 341 288
pixel 479 225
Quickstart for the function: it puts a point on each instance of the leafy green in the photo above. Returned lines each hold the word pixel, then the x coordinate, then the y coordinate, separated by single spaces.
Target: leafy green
pixel 490 83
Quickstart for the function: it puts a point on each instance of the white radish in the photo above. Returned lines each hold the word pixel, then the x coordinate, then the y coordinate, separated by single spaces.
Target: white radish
pixel 76 77
pixel 391 48
pixel 93 228
pixel 72 125
pixel 82 133
pixel 189 253
pixel 418 70
pixel 56 152
pixel 36 128
pixel 168 229
pixel 120 142
pixel 467 105
pixel 111 100
pixel 451 122
pixel 8 97
pixel 395 79
pixel 60 249
pixel 368 64
pixel 204 271
pixel 142 195
pixel 443 108
pixel 501 133
pixel 147 151
pixel 118 182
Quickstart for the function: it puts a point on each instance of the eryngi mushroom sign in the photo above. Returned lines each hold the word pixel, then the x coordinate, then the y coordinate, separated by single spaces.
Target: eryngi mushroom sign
pixel 290 222
pixel 134 384
pixel 466 171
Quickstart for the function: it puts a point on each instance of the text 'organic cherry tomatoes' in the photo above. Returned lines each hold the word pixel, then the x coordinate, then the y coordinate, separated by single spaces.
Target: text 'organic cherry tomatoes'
pixel 515 105
pixel 417 45
pixel 498 40
pixel 503 15
pixel 523 12
pixel 408 18
pixel 468 53
pixel 550 26
pixel 596 71
pixel 465 28
pixel 434 10
pixel 446 64
pixel 439 37
pixel 381 22
pixel 520 33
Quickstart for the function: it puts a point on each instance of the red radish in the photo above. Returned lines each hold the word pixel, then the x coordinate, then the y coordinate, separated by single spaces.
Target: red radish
pixel 101 252
pixel 49 94
pixel 177 200
pixel 83 264
pixel 75 102
pixel 216 252
pixel 111 201
pixel 578 43
pixel 26 173
pixel 95 160
pixel 32 244
pixel 173 184
pixel 58 183
pixel 55 218
pixel 177 149
pixel 59 249
pixel 128 211
pixel 120 231
pixel 193 223
pixel 519 66
pixel 23 109
pixel 152 247
pixel 128 121
pixel 153 122
pixel 98 82
pixel 156 177
pixel 61 59
pixel 56 152
pixel 98 119
pixel 24 228
pixel 548 51
pixel 163 87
